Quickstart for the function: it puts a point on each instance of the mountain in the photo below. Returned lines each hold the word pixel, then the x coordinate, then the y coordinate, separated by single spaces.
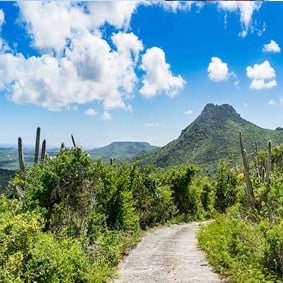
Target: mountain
pixel 120 150
pixel 212 136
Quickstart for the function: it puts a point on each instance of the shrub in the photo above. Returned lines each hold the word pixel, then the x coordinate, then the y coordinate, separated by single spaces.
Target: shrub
pixel 234 248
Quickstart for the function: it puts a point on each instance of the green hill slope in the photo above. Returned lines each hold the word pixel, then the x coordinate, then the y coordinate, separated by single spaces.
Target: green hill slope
pixel 120 150
pixel 213 135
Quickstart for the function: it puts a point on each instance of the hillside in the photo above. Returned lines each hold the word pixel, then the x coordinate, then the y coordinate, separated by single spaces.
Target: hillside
pixel 120 150
pixel 212 136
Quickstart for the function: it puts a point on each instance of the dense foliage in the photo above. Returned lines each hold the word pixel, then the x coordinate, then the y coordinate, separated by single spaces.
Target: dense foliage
pixel 69 219
pixel 246 243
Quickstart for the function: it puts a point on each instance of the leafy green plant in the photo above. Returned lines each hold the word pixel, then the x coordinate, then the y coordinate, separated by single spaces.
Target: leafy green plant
pixel 226 191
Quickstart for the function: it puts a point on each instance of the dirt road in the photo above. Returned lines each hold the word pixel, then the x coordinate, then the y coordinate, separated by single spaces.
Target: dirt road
pixel 168 254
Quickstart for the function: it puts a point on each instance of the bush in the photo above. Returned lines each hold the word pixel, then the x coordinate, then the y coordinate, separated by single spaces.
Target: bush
pixel 226 193
pixel 179 179
pixel 29 255
pixel 234 248
pixel 273 253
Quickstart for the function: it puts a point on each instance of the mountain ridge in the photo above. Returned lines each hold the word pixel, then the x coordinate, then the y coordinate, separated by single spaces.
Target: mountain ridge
pixel 212 136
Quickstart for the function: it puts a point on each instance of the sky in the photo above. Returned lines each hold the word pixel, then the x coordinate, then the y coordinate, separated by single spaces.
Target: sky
pixel 135 70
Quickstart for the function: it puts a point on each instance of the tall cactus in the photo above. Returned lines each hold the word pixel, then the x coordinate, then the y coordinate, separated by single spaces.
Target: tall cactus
pixel 62 147
pixel 268 165
pixel 73 141
pixel 21 155
pixel 37 141
pixel 43 151
pixel 249 186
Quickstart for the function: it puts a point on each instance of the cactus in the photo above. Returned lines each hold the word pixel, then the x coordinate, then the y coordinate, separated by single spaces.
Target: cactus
pixel 73 141
pixel 21 155
pixel 268 164
pixel 246 173
pixel 37 141
pixel 43 151
pixel 62 147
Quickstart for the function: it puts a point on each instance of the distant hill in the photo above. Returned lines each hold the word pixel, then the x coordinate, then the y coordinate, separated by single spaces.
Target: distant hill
pixel 120 150
pixel 9 156
pixel 116 150
pixel 212 136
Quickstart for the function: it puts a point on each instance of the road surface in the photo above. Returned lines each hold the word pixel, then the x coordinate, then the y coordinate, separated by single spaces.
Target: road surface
pixel 168 254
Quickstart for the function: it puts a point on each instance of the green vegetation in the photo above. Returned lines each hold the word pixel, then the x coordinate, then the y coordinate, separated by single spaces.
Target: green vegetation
pixel 71 220
pixel 246 243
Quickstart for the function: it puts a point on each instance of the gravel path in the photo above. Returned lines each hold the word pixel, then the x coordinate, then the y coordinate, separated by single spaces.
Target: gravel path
pixel 168 254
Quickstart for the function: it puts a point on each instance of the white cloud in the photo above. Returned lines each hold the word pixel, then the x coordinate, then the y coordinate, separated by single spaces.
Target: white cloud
pixel 246 10
pixel 90 112
pixel 116 13
pixel 77 63
pixel 262 75
pixel 174 6
pixel 152 124
pixel 237 83
pixel 217 70
pixel 272 102
pixel 2 18
pixel 158 77
pixel 188 112
pixel 67 20
pixel 106 116
pixel 272 47
pixel 91 70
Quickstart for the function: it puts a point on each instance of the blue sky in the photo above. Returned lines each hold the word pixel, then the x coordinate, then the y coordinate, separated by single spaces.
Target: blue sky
pixel 136 70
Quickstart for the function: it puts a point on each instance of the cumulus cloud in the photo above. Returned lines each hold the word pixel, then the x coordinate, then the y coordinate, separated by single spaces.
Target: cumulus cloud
pixel 77 63
pixel 218 70
pixel 106 116
pixel 271 47
pixel 188 112
pixel 72 20
pixel 152 124
pixel 158 77
pixel 81 67
pixel 246 10
pixel 276 102
pixel 65 20
pixel 91 70
pixel 2 18
pixel 262 75
pixel 116 13
pixel 272 102
pixel 90 112
pixel 175 6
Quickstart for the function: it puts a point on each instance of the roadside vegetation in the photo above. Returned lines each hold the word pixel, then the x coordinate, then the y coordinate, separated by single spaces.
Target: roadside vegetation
pixel 245 241
pixel 70 219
